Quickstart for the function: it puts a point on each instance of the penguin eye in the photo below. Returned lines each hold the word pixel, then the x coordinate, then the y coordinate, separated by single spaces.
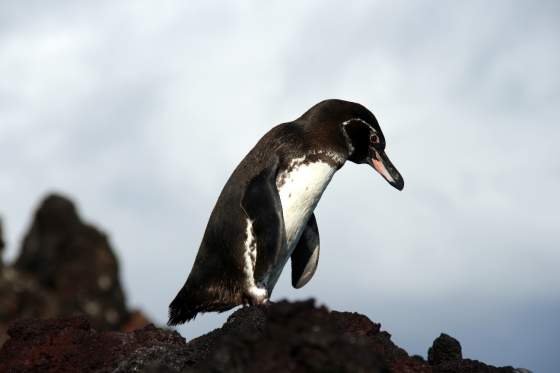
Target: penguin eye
pixel 373 138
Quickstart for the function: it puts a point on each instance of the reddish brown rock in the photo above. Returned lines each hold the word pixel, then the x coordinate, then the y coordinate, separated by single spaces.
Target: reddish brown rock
pixel 71 345
pixel 22 297
pixel 136 320
pixel 75 261
pixel 65 267
pixel 280 337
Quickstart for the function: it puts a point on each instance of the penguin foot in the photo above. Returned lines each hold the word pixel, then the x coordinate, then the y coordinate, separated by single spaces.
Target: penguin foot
pixel 257 295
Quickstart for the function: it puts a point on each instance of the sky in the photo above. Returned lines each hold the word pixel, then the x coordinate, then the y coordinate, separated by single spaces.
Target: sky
pixel 140 112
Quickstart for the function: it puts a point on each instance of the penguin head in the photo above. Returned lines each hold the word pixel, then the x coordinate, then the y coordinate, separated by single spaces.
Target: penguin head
pixel 357 133
pixel 366 144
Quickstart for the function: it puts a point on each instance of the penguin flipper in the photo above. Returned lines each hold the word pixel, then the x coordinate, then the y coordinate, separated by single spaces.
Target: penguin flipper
pixel 305 256
pixel 262 205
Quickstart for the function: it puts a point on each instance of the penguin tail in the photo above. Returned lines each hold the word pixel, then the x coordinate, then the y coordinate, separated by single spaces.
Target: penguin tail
pixel 187 304
pixel 181 310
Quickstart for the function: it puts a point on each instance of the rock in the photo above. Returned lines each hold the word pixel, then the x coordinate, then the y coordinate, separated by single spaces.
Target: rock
pixel 445 356
pixel 71 345
pixel 279 337
pixel 21 297
pixel 1 246
pixel 469 366
pixel 293 337
pixel 75 261
pixel 65 267
pixel 136 320
pixel 445 348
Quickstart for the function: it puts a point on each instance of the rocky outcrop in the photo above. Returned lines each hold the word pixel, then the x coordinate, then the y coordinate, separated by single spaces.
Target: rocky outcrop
pixel 445 348
pixel 280 337
pixel 67 313
pixel 1 245
pixel 71 345
pixel 65 267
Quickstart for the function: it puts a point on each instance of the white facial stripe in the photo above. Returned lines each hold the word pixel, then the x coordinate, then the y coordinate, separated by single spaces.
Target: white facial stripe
pixel 347 138
pixel 359 120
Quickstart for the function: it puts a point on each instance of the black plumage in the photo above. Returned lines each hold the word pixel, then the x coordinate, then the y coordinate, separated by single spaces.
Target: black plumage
pixel 331 132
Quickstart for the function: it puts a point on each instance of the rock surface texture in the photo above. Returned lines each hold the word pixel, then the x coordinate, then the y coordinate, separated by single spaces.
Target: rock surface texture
pixel 280 337
pixel 65 267
pixel 1 245
pixel 445 348
pixel 67 313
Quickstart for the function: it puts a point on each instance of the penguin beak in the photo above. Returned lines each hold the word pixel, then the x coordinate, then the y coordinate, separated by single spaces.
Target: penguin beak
pixel 383 165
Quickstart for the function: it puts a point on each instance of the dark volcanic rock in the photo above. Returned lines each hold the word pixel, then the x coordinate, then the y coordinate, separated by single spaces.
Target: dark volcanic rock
pixel 280 337
pixel 71 345
pixel 445 356
pixel 66 267
pixel 469 366
pixel 292 337
pixel 1 245
pixel 75 261
pixel 21 297
pixel 445 348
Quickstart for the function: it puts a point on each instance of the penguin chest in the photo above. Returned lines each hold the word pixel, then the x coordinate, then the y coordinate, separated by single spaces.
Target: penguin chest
pixel 300 188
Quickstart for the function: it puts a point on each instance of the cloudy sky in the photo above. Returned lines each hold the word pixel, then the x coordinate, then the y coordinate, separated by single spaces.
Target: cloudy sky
pixel 140 113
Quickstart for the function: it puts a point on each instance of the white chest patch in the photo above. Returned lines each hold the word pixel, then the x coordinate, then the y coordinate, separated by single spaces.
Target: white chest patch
pixel 300 190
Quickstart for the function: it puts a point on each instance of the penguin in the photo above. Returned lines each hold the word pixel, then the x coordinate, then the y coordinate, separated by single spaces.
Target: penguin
pixel 264 215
